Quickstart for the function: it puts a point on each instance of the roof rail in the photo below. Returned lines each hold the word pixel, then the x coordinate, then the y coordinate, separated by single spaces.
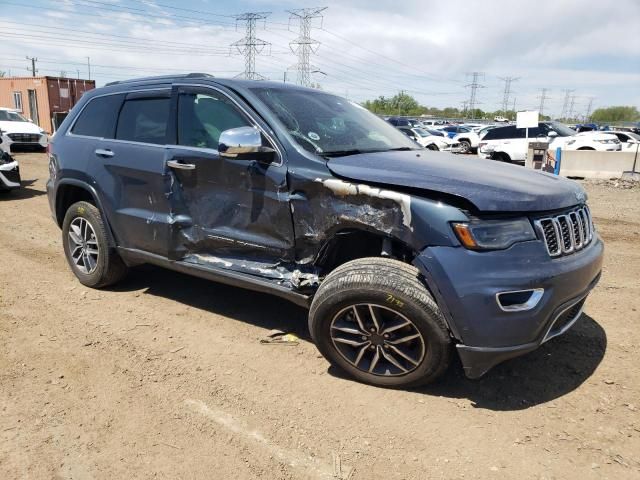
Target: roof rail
pixel 160 77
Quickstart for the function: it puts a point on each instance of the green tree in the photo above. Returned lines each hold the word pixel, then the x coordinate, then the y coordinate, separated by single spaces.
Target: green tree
pixel 616 114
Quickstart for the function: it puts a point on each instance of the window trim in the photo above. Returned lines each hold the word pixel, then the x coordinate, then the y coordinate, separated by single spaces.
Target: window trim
pixel 170 88
pixel 153 95
pixel 18 95
pixel 247 112
pixel 70 133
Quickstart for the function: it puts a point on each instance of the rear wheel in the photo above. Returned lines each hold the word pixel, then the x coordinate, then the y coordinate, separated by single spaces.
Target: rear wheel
pixel 375 319
pixel 465 146
pixel 433 146
pixel 502 157
pixel 86 246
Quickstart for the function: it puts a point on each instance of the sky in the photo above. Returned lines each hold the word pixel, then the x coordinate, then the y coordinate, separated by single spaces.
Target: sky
pixel 366 48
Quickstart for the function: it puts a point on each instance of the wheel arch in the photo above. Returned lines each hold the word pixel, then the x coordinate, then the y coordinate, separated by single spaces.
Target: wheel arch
pixel 70 191
pixel 356 242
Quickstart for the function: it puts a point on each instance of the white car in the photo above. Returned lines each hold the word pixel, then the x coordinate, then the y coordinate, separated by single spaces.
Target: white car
pixel 15 130
pixel 629 141
pixel 509 144
pixel 432 142
pixel 500 119
pixel 469 141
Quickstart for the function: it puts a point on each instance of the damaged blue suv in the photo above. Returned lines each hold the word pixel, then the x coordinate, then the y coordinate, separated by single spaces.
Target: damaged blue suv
pixel 402 255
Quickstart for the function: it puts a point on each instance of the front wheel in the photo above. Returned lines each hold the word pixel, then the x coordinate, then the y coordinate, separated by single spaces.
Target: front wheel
pixel 376 320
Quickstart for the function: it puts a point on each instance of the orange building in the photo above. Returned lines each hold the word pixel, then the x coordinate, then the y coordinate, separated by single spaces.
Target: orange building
pixel 42 98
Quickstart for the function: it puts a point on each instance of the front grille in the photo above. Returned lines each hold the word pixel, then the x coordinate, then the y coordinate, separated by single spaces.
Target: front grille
pixel 566 233
pixel 25 137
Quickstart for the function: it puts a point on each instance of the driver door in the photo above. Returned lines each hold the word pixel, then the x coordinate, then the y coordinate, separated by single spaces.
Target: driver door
pixel 223 208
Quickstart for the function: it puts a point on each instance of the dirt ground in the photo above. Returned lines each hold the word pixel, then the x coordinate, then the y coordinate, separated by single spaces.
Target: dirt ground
pixel 165 377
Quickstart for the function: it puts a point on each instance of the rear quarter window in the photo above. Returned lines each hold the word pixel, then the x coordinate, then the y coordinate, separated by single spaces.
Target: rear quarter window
pixel 98 118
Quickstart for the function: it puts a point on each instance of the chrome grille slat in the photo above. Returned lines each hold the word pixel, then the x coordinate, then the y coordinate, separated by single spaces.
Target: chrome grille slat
pixel 566 233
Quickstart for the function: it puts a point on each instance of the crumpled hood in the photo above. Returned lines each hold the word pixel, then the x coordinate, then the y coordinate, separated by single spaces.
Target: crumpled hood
pixel 19 127
pixel 490 185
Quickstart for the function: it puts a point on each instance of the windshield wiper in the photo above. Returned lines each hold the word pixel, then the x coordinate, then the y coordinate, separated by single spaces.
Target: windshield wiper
pixel 344 153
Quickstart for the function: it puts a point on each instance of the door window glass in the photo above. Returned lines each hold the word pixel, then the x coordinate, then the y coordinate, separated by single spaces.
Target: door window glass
pixel 203 117
pixel 98 119
pixel 144 120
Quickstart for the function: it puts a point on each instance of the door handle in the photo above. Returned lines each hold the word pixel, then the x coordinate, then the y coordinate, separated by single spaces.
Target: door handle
pixel 101 152
pixel 180 166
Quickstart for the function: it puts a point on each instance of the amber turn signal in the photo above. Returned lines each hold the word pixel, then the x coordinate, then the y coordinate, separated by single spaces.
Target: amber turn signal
pixel 464 235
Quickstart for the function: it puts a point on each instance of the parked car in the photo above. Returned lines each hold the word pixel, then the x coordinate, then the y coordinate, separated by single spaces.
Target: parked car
pixel 432 142
pixel 468 140
pixel 453 130
pixel 509 144
pixel 402 255
pixel 500 119
pixel 9 172
pixel 403 122
pixel 628 140
pixel 17 131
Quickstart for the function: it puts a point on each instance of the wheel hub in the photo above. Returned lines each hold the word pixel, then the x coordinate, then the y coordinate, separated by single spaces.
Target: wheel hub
pixel 83 245
pixel 377 339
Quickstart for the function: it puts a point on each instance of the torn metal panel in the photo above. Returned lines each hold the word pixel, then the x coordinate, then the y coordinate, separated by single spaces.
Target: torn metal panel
pixel 327 205
pixel 229 206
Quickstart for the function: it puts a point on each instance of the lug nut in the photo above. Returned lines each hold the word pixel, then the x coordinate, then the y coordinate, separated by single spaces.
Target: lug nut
pixel 386 335
pixel 373 329
pixel 372 347
pixel 364 337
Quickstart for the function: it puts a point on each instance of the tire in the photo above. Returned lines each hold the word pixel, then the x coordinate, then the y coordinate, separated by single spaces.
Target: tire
pixel 101 266
pixel 586 148
pixel 466 146
pixel 502 157
pixel 396 294
pixel 433 146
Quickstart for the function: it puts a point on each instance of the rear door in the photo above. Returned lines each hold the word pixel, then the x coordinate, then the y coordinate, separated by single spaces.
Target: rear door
pixel 224 208
pixel 130 170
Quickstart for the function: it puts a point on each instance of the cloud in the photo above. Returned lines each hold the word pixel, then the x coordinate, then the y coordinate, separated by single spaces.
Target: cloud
pixel 368 48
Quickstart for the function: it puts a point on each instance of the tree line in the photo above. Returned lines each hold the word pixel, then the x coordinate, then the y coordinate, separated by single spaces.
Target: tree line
pixel 403 104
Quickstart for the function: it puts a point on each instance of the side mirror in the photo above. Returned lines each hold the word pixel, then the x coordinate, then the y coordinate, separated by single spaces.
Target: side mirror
pixel 244 143
pixel 552 134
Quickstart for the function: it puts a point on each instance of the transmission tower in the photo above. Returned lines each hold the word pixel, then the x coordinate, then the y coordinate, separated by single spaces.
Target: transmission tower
pixel 587 116
pixel 304 45
pixel 249 45
pixel 474 85
pixel 543 98
pixel 565 105
pixel 507 92
pixel 571 106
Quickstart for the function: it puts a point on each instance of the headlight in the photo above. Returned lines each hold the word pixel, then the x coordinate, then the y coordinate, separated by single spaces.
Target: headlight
pixel 606 141
pixel 493 234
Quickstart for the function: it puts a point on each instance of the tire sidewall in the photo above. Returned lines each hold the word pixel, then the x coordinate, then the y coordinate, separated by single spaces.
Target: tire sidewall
pixel 91 215
pixel 436 346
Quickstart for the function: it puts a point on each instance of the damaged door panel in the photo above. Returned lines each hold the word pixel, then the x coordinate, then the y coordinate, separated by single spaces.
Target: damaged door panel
pixel 226 212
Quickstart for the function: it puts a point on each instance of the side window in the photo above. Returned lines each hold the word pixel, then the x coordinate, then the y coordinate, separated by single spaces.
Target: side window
pixel 203 117
pixel 499 133
pixel 144 120
pixel 98 118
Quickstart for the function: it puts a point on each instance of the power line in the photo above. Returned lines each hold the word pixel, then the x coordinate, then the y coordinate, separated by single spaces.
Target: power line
pixel 249 45
pixel 507 92
pixel 304 45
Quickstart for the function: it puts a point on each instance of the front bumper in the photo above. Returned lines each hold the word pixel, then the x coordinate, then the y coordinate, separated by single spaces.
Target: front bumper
pixel 465 284
pixel 11 141
pixel 9 175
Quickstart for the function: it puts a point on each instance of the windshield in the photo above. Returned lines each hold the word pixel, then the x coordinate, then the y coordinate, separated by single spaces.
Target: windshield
pixel 329 125
pixel 633 135
pixel 561 130
pixel 7 116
